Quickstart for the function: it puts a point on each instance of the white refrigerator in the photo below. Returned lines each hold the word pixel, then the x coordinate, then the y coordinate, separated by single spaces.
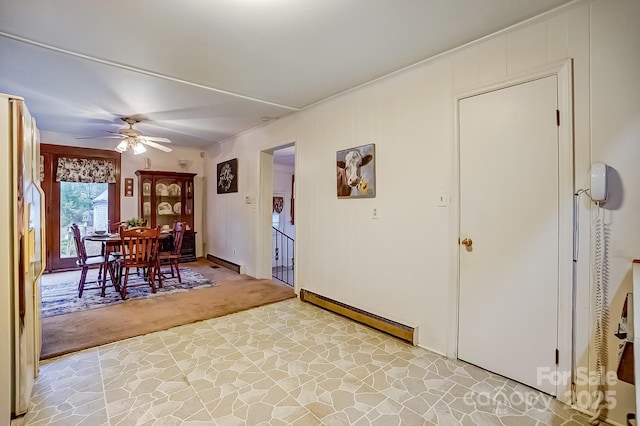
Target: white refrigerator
pixel 22 256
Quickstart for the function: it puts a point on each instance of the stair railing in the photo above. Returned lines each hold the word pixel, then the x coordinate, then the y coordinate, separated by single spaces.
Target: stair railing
pixel 282 267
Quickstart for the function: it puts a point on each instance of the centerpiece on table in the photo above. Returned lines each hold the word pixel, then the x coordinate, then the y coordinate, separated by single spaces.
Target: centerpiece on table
pixel 134 222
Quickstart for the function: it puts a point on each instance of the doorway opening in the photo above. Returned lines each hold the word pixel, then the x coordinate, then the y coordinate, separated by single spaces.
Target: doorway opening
pixel 282 215
pixel 277 213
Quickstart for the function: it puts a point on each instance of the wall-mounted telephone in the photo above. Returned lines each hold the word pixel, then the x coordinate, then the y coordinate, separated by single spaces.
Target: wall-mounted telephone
pixel 598 192
pixel 599 264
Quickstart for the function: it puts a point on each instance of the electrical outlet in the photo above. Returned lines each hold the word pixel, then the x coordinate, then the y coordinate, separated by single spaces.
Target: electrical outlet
pixel 375 214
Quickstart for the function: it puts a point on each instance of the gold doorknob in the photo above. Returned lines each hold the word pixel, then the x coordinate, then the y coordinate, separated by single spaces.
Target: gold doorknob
pixel 467 242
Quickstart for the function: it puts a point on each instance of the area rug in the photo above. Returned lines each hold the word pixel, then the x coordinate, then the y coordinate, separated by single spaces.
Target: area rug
pixel 62 298
pixel 86 329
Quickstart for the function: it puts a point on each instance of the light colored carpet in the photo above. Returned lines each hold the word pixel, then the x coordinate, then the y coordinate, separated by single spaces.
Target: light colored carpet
pixel 86 329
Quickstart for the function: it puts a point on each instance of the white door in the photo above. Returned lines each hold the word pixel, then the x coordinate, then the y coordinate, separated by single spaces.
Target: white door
pixel 509 215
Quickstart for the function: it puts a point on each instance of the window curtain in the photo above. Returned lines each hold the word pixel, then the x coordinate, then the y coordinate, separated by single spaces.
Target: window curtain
pixel 85 170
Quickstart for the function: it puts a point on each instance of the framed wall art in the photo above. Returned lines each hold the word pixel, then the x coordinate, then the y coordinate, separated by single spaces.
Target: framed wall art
pixel 128 187
pixel 227 176
pixel 278 203
pixel 356 172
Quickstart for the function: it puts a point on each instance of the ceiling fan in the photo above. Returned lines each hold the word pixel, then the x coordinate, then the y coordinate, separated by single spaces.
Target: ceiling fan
pixel 133 139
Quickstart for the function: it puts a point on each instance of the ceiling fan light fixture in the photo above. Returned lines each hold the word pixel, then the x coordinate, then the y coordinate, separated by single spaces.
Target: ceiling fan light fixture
pixel 133 143
pixel 133 139
pixel 138 148
pixel 122 146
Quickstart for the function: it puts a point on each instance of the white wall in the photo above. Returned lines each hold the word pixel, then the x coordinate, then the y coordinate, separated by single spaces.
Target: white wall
pixel 615 140
pixel 159 160
pixel 399 266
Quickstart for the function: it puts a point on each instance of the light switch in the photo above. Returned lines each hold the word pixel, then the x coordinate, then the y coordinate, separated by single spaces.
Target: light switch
pixel 443 199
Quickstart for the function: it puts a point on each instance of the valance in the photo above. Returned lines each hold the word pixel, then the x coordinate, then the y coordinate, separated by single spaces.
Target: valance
pixel 85 170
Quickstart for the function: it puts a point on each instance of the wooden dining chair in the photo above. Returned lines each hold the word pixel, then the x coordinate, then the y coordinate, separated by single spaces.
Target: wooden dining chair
pixel 92 262
pixel 139 250
pixel 114 228
pixel 172 258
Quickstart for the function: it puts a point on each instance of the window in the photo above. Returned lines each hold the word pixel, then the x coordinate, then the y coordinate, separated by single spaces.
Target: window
pixel 275 220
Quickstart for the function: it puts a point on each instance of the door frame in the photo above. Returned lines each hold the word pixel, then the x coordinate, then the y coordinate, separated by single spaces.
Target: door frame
pixel 566 284
pixel 51 153
pixel 264 242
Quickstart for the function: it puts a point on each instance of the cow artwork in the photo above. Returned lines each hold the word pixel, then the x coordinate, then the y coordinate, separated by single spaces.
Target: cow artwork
pixel 355 168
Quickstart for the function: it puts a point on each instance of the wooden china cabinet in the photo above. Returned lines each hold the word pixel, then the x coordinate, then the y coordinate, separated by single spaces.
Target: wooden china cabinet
pixel 167 197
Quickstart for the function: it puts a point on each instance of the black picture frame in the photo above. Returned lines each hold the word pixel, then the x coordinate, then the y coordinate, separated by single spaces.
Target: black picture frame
pixel 227 176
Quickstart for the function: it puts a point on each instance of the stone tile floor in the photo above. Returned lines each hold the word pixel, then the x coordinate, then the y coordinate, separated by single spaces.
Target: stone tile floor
pixel 288 363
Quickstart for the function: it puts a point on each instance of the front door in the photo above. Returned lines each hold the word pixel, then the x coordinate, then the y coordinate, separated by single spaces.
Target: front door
pixel 509 222
pixel 90 205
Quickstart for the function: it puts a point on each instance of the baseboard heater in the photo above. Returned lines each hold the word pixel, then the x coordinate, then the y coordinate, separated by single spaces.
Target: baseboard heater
pixel 225 263
pixel 401 331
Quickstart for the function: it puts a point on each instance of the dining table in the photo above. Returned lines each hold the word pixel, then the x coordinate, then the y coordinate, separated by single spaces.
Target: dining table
pixel 111 242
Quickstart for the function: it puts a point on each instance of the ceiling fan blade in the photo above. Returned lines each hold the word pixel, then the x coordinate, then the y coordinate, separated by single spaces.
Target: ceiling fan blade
pixel 157 139
pixel 100 137
pixel 156 145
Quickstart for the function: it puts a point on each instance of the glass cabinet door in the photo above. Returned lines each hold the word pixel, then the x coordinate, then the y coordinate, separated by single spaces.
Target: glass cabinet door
pixel 168 192
pixel 187 216
pixel 146 199
pixel 165 198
